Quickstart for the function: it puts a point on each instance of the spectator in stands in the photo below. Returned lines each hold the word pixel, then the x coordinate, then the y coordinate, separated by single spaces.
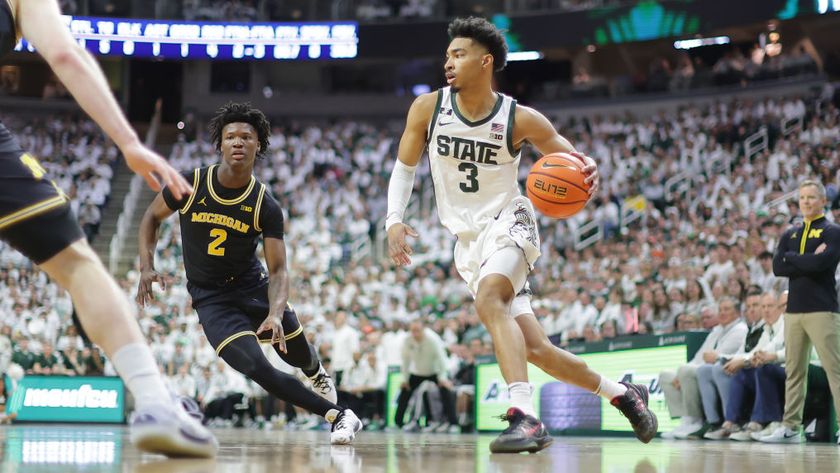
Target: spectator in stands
pixel 808 255
pixel 423 359
pixel 682 393
pixel 48 362
pixel 715 380
pixel 760 378
pixel 687 322
pixel 23 357
pixel 74 364
pixel 183 383
pixel 345 343
pixel 364 388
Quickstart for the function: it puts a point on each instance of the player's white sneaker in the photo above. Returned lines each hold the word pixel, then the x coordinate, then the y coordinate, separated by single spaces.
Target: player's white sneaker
pixel 324 386
pixel 169 430
pixel 344 428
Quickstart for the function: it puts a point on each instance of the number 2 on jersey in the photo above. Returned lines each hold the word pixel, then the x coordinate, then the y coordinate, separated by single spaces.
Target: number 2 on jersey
pixel 472 183
pixel 214 248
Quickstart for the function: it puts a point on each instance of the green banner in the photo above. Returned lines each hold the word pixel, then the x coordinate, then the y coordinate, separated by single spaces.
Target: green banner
pixel 68 399
pixel 395 379
pixel 567 408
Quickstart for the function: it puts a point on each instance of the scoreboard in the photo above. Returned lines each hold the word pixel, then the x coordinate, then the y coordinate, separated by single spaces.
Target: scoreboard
pixel 212 40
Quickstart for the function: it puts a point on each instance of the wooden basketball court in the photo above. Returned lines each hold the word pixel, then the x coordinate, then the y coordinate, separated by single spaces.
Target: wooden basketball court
pixel 54 449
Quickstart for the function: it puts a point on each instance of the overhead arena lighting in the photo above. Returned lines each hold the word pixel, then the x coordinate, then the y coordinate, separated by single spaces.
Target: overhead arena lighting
pixel 697 42
pixel 524 56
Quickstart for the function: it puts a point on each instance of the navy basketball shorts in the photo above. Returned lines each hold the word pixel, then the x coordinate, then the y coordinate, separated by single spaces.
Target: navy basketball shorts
pixel 228 313
pixel 35 215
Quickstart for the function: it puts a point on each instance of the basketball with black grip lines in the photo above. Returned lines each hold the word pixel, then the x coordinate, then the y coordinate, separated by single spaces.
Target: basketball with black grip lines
pixel 555 185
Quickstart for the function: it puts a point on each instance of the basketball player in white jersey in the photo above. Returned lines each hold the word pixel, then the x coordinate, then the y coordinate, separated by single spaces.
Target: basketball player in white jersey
pixel 474 137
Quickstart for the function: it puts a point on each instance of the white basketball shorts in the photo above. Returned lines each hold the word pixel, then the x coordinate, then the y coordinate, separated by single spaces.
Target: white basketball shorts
pixel 509 245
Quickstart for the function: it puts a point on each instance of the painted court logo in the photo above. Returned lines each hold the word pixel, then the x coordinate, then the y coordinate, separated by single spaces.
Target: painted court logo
pixel 83 396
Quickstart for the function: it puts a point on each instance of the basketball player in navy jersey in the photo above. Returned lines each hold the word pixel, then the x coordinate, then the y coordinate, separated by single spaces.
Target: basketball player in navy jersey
pixel 239 304
pixel 35 219
pixel 474 137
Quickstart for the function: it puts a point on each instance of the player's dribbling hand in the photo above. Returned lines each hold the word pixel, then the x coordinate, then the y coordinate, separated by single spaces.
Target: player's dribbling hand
pixel 144 288
pixel 593 178
pixel 273 323
pixel 398 248
pixel 155 170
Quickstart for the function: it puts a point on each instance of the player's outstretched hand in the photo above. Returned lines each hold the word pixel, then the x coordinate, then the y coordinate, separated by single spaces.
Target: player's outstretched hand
pixel 272 322
pixel 144 288
pixel 155 170
pixel 590 169
pixel 398 249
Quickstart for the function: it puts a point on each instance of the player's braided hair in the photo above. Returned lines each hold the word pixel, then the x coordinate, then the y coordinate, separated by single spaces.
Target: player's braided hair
pixel 232 112
pixel 484 33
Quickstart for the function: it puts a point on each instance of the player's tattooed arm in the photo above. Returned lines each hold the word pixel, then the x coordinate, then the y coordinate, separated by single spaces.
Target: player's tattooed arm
pixel 278 290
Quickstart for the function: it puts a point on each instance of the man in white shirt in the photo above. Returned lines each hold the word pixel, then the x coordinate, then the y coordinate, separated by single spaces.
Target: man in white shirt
pixel 715 379
pixel 721 267
pixel 682 392
pixel 768 363
pixel 345 342
pixel 423 358
pixel 763 364
pixel 364 386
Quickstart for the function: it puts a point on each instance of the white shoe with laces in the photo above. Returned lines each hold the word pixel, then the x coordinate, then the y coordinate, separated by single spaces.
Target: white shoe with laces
pixel 169 430
pixel 344 428
pixel 324 386
pixel 782 435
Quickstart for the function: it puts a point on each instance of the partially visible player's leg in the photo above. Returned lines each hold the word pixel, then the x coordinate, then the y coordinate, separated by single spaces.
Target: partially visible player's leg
pixel 301 354
pixel 630 399
pixel 244 355
pixel 560 364
pixel 230 330
pixel 492 303
pixel 157 426
pixel 495 293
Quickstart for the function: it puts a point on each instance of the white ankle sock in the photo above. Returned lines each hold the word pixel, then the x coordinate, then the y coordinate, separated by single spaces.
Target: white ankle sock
pixel 609 389
pixel 520 397
pixel 136 365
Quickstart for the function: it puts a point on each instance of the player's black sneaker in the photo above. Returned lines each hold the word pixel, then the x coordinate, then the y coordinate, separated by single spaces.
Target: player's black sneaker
pixel 524 434
pixel 634 405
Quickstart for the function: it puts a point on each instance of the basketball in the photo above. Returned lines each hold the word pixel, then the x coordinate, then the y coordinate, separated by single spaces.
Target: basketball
pixel 555 185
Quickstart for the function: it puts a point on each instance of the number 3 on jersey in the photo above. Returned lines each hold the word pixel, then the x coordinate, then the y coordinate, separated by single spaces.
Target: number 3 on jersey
pixel 472 183
pixel 215 246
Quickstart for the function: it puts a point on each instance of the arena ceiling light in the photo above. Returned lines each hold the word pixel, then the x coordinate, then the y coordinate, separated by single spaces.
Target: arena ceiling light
pixel 524 56
pixel 698 42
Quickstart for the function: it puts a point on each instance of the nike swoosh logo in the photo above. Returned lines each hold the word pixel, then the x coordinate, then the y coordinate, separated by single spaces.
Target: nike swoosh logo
pixel 444 124
pixel 550 166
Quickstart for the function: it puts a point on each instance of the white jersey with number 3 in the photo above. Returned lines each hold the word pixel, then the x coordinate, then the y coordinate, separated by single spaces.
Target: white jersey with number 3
pixel 474 166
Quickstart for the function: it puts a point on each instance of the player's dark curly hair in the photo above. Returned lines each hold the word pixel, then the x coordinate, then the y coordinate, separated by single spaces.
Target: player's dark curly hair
pixel 484 33
pixel 232 112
